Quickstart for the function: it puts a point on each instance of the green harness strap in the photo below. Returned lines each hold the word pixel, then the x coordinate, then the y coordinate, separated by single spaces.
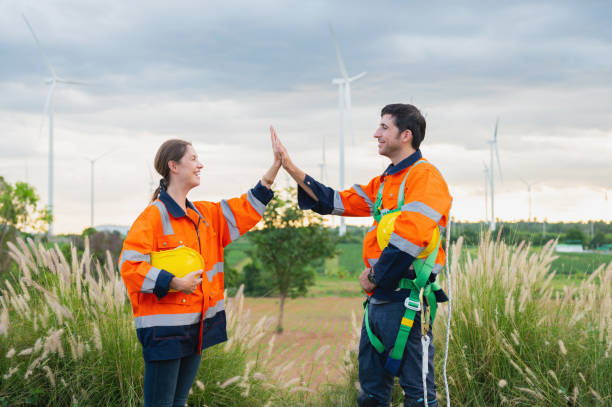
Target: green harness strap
pixel 379 212
pixel 423 269
pixel 413 304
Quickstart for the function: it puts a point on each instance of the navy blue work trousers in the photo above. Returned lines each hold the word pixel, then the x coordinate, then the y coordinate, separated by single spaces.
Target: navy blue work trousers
pixel 377 382
pixel 167 382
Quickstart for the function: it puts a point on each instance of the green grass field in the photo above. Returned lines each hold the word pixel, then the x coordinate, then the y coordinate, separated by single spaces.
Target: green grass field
pixel 341 271
pixel 577 264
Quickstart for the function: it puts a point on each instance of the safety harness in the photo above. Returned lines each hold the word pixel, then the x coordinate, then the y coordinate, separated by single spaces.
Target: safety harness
pixel 420 288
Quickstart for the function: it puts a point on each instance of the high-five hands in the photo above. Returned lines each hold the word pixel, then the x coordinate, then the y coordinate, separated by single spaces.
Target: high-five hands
pixel 279 149
pixel 275 147
pixel 268 179
pixel 297 174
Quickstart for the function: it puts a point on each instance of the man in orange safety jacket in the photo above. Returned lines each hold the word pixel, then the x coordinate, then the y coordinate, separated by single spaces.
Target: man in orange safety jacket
pixel 415 189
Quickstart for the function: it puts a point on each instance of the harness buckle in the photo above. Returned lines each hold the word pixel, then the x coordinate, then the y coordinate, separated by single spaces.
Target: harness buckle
pixel 412 305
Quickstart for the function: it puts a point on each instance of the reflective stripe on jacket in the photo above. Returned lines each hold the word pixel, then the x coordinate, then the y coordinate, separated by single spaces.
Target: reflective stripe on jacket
pixel 171 325
pixel 427 203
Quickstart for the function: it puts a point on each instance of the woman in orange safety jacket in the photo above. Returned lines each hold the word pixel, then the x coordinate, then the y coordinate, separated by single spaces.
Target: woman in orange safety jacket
pixel 177 317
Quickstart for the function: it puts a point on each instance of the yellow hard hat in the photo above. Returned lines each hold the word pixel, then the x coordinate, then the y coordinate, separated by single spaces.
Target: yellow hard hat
pixel 386 226
pixel 180 261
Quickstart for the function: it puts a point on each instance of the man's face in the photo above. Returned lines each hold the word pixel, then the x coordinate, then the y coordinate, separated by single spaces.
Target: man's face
pixel 388 137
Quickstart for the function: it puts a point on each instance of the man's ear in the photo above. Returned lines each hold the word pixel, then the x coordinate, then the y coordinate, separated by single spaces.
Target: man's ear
pixel 407 136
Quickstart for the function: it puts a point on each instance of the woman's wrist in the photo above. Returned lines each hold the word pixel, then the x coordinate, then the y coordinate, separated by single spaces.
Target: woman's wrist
pixel 175 283
pixel 268 178
pixel 266 182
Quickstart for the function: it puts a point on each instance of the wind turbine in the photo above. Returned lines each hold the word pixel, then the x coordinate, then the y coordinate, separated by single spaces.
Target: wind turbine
pixel 344 105
pixel 92 162
pixel 605 191
pixel 494 157
pixel 529 185
pixel 52 81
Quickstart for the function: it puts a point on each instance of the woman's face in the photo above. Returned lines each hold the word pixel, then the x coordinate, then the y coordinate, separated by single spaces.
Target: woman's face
pixel 187 171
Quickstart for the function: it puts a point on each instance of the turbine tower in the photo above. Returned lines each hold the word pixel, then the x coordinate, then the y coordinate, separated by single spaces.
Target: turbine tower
pixel 605 191
pixel 494 157
pixel 92 162
pixel 344 105
pixel 529 185
pixel 486 191
pixel 323 164
pixel 48 109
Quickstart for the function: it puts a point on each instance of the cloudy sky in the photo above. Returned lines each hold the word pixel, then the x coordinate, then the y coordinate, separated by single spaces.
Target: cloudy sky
pixel 219 73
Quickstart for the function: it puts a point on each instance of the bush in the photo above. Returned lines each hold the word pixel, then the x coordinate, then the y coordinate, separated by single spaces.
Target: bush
pixel 256 284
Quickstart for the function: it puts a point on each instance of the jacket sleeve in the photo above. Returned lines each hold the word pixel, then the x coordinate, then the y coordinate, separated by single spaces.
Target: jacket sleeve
pixel 427 203
pixel 236 216
pixel 135 261
pixel 355 201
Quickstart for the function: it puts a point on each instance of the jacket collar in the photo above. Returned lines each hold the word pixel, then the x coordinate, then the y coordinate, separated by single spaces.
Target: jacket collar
pixel 175 210
pixel 402 165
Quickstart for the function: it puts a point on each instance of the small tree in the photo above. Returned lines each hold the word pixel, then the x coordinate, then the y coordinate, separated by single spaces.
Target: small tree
pixel 575 234
pixel 19 212
pixel 290 241
pixel 598 240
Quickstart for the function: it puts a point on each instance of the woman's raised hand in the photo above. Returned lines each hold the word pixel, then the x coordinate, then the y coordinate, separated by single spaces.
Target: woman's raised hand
pixel 275 147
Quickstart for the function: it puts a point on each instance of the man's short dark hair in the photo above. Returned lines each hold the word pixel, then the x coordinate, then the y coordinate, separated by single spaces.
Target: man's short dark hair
pixel 407 117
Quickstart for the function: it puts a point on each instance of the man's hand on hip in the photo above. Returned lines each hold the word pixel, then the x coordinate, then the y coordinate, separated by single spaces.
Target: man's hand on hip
pixel 365 282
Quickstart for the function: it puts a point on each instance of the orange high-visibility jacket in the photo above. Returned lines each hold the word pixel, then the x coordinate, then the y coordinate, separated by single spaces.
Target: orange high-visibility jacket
pixel 427 203
pixel 172 325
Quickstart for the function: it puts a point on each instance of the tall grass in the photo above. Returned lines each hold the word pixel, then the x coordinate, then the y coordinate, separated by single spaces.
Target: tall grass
pixel 515 340
pixel 67 338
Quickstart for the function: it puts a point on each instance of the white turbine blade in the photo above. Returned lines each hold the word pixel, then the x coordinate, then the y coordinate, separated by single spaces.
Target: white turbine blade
pixel 338 55
pixel 495 132
pixel 359 76
pixel 46 108
pixel 72 82
pixel 40 48
pixel 112 150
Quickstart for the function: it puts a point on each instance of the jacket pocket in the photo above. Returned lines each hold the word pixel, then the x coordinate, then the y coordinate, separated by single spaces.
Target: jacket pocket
pixel 169 242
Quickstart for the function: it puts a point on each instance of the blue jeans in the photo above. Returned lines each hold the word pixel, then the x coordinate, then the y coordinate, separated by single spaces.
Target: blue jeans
pixel 375 381
pixel 167 382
